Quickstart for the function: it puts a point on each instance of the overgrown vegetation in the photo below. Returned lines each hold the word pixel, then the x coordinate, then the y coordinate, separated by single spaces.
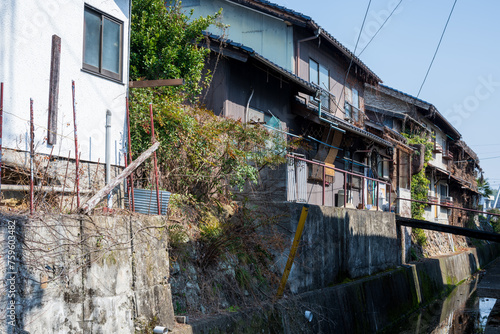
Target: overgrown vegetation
pixel 495 221
pixel 420 183
pixel 203 159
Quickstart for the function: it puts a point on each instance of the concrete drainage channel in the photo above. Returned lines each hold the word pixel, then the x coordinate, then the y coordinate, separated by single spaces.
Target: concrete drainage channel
pixel 366 305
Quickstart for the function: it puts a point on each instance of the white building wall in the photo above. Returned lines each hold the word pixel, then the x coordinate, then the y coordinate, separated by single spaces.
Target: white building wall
pixel 25 54
pixel 269 36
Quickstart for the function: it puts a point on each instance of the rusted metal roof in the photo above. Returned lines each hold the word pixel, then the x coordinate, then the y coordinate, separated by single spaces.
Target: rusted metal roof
pixel 308 87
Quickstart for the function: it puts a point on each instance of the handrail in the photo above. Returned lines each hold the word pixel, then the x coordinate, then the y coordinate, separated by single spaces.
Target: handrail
pixel 345 180
pixel 338 169
pixel 448 206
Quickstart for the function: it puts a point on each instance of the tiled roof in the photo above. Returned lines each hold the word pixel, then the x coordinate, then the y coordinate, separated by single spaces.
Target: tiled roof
pixel 315 26
pixel 250 52
pixel 284 9
pixel 429 106
pixel 348 126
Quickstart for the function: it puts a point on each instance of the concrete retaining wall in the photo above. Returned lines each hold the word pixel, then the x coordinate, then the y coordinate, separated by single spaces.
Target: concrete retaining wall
pixel 338 244
pixel 81 274
pixel 363 306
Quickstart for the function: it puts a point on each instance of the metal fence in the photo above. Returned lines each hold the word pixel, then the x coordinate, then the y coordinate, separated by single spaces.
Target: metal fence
pixel 315 182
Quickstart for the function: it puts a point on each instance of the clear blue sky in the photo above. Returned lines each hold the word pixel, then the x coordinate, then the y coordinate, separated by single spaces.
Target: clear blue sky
pixel 464 82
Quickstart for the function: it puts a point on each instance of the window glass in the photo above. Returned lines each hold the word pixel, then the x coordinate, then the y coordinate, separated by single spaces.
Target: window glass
pixel 443 189
pixel 324 83
pixel 355 98
pixel 102 44
pixel 348 100
pixel 111 46
pixel 92 38
pixel 388 122
pixel 313 72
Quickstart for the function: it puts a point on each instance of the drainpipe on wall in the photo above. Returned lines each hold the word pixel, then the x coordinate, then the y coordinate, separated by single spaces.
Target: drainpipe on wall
pixel 297 53
pixel 108 155
pixel 333 125
pixel 247 106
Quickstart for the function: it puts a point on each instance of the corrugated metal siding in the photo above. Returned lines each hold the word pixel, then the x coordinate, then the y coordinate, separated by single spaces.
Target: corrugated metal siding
pixel 301 169
pixel 145 201
pixel 291 185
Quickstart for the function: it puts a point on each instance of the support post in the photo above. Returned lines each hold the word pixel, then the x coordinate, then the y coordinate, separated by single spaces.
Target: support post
pixel 345 190
pixel 155 161
pixel 128 182
pixel 390 190
pixel 129 145
pixel 363 193
pixel 77 158
pixel 324 184
pixel 378 194
pixel 32 153
pixel 108 156
pixel 293 250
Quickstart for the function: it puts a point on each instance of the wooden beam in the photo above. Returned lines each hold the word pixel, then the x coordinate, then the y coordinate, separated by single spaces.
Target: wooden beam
pixel 467 232
pixel 55 62
pixel 91 203
pixel 156 83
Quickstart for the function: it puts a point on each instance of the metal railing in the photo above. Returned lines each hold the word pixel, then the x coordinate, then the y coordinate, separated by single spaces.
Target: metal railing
pixel 345 173
pixel 351 112
pixel 449 206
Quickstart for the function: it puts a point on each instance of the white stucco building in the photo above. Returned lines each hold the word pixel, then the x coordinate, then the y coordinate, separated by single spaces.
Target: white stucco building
pixel 93 39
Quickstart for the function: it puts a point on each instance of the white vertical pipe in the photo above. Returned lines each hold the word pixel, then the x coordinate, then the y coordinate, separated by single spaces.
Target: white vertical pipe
pixel 108 155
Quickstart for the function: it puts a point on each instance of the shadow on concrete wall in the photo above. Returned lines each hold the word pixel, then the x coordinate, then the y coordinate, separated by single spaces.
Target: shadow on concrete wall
pixel 23 290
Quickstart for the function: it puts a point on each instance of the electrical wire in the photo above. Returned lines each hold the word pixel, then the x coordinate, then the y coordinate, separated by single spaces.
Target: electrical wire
pixel 435 52
pixel 352 58
pixel 387 19
pixel 489 158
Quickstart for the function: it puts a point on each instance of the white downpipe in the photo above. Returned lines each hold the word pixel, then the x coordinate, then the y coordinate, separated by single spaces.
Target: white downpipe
pixel 247 106
pixel 108 156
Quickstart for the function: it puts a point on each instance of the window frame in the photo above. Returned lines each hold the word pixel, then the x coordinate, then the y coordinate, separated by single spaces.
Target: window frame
pixel 317 82
pixel 100 71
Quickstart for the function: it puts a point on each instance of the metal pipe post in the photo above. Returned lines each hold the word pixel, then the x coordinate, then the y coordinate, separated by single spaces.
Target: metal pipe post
pixel 362 193
pixel 131 181
pixel 127 180
pixel 324 184
pixel 155 161
pixel 345 190
pixel 77 158
pixel 378 195
pixel 390 190
pixel 108 156
pixel 32 153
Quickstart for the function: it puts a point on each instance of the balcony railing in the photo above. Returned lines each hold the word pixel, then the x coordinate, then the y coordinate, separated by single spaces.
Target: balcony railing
pixel 447 200
pixel 300 187
pixel 448 155
pixel 433 199
pixel 437 148
pixel 351 112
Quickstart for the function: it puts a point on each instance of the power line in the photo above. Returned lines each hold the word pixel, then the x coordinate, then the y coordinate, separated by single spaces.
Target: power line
pixel 354 53
pixel 439 44
pixel 489 158
pixel 484 144
pixel 387 19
